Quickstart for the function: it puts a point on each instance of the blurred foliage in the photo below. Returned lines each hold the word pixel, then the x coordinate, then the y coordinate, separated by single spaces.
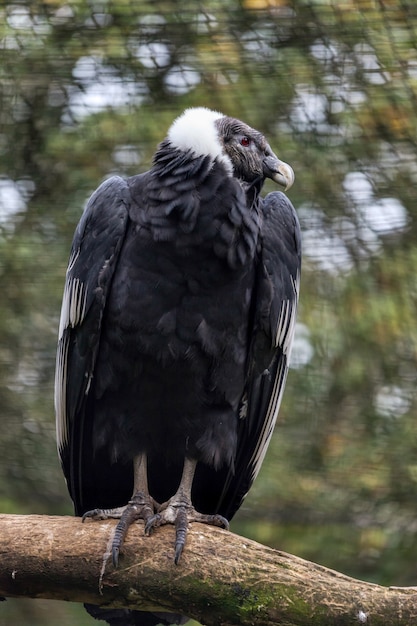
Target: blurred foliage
pixel 88 89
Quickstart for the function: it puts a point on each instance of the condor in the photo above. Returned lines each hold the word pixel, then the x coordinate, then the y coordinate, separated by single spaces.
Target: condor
pixel 176 328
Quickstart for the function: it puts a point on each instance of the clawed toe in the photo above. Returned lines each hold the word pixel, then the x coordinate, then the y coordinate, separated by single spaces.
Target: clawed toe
pixel 102 514
pixel 212 520
pixel 141 506
pixel 178 511
pixel 180 514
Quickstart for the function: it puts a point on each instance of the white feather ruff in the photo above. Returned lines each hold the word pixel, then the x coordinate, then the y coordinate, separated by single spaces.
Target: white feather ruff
pixel 196 130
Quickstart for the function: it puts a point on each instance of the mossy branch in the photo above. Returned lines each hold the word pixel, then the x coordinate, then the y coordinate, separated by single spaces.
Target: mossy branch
pixel 222 579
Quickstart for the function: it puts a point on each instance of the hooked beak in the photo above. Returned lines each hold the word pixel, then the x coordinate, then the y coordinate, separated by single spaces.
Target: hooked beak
pixel 278 171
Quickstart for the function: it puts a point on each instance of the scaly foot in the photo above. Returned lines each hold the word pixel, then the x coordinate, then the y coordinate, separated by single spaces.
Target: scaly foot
pixel 141 506
pixel 180 512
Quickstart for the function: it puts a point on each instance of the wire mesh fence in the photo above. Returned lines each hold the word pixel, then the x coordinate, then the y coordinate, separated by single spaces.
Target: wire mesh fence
pixel 88 89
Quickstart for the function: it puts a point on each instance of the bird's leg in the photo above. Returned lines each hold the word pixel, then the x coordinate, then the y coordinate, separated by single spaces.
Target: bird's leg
pixel 180 511
pixel 141 506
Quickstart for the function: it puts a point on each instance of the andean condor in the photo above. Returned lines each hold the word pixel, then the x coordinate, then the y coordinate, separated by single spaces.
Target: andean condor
pixel 176 328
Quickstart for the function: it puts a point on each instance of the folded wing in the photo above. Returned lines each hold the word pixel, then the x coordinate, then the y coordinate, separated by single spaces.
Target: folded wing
pixel 94 254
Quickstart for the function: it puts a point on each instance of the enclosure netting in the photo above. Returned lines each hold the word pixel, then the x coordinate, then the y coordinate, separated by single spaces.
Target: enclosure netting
pixel 88 89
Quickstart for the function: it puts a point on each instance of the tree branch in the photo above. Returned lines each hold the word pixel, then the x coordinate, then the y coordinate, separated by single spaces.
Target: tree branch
pixel 222 579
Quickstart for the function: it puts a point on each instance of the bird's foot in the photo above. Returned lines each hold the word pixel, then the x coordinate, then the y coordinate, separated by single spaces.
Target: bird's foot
pixel 141 506
pixel 180 512
pixel 100 514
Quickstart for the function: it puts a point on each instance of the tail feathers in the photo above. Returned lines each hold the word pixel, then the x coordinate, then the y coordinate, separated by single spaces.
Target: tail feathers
pixel 125 617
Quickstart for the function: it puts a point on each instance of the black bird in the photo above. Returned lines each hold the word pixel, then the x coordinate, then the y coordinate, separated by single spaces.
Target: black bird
pixel 176 328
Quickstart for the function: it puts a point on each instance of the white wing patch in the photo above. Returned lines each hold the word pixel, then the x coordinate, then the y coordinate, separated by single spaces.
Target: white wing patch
pixel 283 339
pixel 61 393
pixel 270 419
pixel 74 305
pixel 287 318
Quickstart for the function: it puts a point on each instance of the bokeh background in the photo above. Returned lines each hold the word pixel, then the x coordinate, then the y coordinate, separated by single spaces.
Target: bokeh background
pixel 88 88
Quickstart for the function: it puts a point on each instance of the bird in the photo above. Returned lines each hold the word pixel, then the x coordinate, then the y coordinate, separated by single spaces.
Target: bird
pixel 176 328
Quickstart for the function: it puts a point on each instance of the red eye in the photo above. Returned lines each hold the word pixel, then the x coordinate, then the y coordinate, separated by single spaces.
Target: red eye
pixel 245 141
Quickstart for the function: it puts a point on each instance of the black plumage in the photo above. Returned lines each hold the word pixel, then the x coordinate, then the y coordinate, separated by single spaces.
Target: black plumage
pixel 176 328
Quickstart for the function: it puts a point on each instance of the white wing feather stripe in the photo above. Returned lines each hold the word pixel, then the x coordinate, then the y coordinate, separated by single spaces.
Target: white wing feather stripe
pixel 74 256
pixel 74 304
pixel 284 339
pixel 282 330
pixel 61 393
pixel 271 417
pixel 287 318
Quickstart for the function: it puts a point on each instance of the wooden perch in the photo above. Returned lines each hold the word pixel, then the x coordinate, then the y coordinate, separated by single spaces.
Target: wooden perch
pixel 222 579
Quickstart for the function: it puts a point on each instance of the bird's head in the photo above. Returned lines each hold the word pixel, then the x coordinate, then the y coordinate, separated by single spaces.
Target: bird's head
pixel 243 151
